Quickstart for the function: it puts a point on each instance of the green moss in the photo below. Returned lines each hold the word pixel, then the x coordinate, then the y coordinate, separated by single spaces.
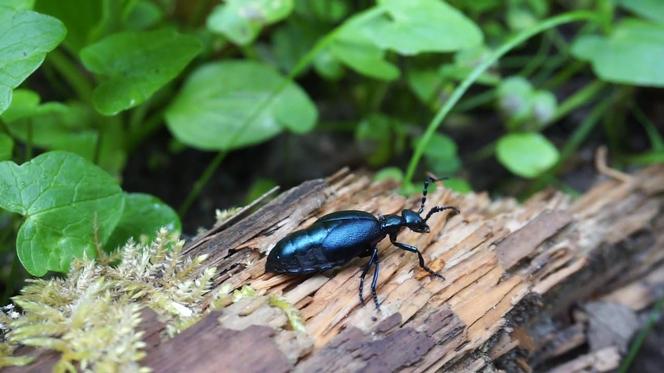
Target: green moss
pixel 91 316
pixel 291 312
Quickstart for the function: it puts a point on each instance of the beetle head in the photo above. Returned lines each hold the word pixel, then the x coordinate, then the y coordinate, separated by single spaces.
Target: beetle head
pixel 414 221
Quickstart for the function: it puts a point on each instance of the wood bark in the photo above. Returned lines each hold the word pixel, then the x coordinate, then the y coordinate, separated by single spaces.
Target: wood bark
pixel 551 284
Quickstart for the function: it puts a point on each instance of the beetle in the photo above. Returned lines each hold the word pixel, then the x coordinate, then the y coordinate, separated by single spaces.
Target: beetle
pixel 336 238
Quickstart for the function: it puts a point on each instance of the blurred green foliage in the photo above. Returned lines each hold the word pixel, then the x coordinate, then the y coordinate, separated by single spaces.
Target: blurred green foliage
pixel 221 76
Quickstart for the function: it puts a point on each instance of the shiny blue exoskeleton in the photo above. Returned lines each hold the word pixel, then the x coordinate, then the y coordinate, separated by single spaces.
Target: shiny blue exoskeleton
pixel 336 238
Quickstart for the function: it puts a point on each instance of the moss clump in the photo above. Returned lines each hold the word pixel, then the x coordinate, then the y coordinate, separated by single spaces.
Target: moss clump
pixel 91 316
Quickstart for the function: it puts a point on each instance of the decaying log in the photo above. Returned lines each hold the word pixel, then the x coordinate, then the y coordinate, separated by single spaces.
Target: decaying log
pixel 528 286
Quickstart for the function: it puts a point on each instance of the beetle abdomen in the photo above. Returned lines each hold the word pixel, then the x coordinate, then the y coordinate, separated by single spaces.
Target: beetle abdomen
pixel 300 252
pixel 331 241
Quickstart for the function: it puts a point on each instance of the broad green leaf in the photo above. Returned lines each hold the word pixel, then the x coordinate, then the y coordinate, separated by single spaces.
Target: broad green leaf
pixel 442 155
pixel 70 207
pixel 522 14
pixel 141 14
pixel 417 26
pixel 242 20
pixel 25 39
pixel 526 154
pixel 219 98
pixel 142 217
pixel 81 17
pixel 364 58
pixel 329 11
pixel 425 83
pixel 6 147
pixel 18 4
pixel 651 9
pixel 632 54
pixel 327 66
pixel 72 127
pixel 134 65
pixel 293 40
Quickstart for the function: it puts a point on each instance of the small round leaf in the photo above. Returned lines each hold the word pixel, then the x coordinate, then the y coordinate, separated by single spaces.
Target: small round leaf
pixel 526 154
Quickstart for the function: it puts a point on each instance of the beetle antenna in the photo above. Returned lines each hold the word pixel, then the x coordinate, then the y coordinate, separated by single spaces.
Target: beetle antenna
pixel 428 180
pixel 437 209
pixel 431 178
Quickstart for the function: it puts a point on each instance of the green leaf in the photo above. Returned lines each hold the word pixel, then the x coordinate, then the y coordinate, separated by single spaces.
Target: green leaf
pixel 70 207
pixel 525 107
pixel 632 54
pixel 141 14
pixel 651 9
pixel 18 4
pixel 389 173
pixel 142 217
pixel 425 83
pixel 242 20
pixel 6 147
pixel 328 11
pixel 442 155
pixel 417 26
pixel 135 65
pixel 386 135
pixel 458 185
pixel 81 17
pixel 544 105
pixel 364 58
pixel 259 187
pixel 293 40
pixel 73 127
pixel 216 108
pixel 376 129
pixel 25 39
pixel 526 154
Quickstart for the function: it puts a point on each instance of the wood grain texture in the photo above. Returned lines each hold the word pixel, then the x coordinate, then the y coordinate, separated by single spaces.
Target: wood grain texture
pixel 514 275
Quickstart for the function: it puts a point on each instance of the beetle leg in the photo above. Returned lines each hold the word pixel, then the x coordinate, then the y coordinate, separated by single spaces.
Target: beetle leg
pixel 374 258
pixel 414 249
pixel 374 282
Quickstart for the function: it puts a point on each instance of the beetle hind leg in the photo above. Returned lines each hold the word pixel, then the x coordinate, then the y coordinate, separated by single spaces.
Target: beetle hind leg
pixel 374 282
pixel 372 260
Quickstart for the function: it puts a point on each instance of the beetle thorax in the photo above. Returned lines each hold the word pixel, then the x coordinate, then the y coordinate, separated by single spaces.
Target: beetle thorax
pixel 391 223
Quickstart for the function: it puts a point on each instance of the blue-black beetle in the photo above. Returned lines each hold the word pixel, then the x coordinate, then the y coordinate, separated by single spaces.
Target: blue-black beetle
pixel 336 238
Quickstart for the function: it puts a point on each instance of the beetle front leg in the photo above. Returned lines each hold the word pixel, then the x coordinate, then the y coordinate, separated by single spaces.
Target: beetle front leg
pixel 374 258
pixel 414 249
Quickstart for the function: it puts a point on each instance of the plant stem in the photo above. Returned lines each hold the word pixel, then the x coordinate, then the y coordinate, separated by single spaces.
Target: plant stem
pixel 641 337
pixel 475 74
pixel 576 100
pixel 475 101
pixel 201 182
pixel 72 74
pixel 28 142
pixel 582 131
pixel 656 141
pixel 539 58
pixel 149 125
pixel 564 75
